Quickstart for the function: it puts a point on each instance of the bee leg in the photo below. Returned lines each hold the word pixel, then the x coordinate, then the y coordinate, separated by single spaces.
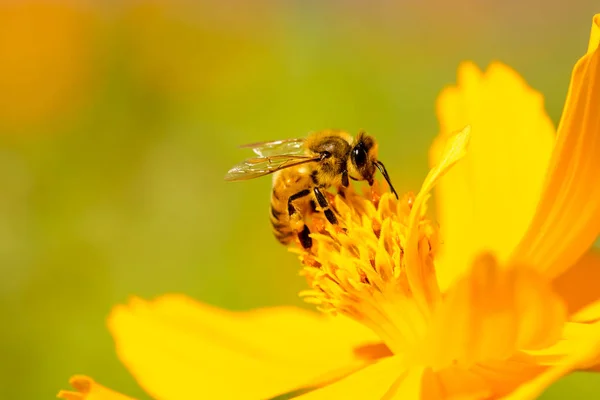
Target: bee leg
pixel 291 209
pixel 304 237
pixel 345 180
pixel 325 206
pixel 296 220
pixel 345 184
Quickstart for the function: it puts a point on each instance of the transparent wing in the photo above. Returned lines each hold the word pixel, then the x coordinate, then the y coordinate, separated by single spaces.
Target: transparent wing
pixel 260 166
pixel 277 147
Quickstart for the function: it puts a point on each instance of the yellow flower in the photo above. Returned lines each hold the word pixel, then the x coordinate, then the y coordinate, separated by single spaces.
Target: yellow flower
pixel 498 302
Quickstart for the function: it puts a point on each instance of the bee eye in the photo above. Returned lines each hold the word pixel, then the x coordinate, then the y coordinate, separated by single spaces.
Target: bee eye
pixel 359 156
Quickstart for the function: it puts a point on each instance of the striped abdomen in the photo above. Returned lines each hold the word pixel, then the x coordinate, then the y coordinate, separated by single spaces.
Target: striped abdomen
pixel 287 217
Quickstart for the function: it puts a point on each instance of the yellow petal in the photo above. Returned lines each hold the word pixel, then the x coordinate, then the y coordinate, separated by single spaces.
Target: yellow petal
pixel 493 312
pixel 589 313
pixel 178 348
pixel 579 287
pixel 594 35
pixel 575 338
pixel 389 379
pixel 486 202
pixel 87 389
pixel 458 383
pixel 386 379
pixel 586 355
pixel 567 220
pixel 454 150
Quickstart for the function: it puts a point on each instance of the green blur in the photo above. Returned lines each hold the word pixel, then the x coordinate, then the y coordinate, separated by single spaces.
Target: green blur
pixel 119 189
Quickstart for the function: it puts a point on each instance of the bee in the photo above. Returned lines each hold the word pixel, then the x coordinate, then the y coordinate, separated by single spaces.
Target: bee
pixel 303 169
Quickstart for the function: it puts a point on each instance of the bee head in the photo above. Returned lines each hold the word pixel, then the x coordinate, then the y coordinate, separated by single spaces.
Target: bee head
pixel 363 158
pixel 363 161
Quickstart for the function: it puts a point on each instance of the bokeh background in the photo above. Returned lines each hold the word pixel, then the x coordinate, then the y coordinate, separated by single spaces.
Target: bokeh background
pixel 118 120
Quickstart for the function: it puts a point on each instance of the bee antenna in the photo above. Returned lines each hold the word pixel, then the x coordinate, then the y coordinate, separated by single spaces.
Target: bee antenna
pixel 383 171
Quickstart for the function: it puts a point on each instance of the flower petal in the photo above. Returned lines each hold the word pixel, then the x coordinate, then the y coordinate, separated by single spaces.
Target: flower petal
pixel 567 220
pixel 494 312
pixel 87 389
pixel 390 379
pixel 420 278
pixel 486 202
pixel 585 354
pixel 575 337
pixel 458 383
pixel 178 348
pixel 589 313
pixel 578 287
pixel 386 379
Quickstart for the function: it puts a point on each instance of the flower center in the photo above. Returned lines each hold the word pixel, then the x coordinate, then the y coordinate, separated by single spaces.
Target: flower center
pixel 360 268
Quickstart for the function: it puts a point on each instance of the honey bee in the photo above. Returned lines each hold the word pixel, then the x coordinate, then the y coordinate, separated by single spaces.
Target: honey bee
pixel 303 169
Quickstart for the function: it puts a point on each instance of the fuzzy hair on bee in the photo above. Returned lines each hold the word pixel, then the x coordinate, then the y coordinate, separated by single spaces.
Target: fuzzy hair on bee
pixel 304 169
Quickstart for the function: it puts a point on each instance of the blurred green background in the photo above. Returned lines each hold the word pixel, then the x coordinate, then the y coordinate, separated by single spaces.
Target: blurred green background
pixel 118 120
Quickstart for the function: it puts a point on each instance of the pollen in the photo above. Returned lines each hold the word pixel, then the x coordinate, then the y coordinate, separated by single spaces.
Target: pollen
pixel 358 267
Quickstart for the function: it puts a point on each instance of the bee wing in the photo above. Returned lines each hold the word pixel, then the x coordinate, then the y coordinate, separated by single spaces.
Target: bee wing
pixel 277 147
pixel 260 166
